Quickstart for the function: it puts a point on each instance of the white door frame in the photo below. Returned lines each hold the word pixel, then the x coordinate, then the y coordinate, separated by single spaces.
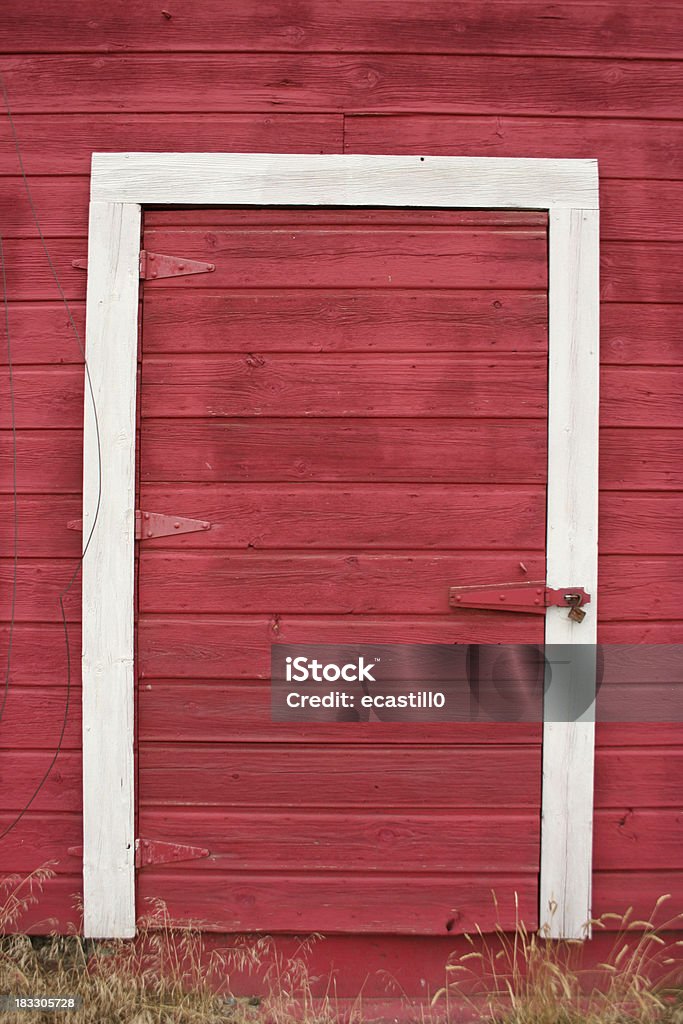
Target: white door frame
pixel 121 184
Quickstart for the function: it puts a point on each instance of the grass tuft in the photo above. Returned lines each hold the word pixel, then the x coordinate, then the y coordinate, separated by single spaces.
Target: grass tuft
pixel 525 977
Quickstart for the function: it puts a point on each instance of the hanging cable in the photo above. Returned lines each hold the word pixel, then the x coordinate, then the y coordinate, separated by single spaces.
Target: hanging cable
pixel 91 394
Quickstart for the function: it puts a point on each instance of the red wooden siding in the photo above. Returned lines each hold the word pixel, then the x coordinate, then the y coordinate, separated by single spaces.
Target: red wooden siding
pixel 350 820
pixel 596 80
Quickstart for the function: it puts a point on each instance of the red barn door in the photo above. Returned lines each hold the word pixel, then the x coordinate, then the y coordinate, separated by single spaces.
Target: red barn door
pixel 356 401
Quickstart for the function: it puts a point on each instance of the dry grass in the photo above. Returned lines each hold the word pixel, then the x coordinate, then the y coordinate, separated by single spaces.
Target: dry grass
pixel 526 978
pixel 169 975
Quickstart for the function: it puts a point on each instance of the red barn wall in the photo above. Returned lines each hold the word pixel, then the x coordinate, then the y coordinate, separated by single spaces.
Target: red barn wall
pixel 505 78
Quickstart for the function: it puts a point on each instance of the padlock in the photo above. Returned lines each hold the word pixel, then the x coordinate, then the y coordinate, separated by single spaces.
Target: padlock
pixel 576 613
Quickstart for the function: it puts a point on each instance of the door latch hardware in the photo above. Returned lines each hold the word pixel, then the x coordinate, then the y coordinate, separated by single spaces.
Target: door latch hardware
pixel 533 597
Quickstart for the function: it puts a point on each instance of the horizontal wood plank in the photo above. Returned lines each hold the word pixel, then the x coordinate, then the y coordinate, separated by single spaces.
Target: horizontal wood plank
pixel 42 531
pixel 487 451
pixel 365 516
pixel 393 26
pixel 637 148
pixel 34 716
pixel 638 396
pixel 631 271
pixel 640 459
pixel 48 461
pixel 366 583
pixel 39 655
pixel 63 143
pixel 638 894
pixel 641 524
pixel 41 333
pixel 40 584
pixel 633 334
pixel 239 712
pixel 417 583
pixel 640 271
pixel 439 905
pixel 59 907
pixel 397 83
pixel 646 776
pixel 339 257
pixel 323 320
pixel 329 385
pixel 238 647
pixel 41 838
pixel 23 772
pixel 354 841
pixel 324 775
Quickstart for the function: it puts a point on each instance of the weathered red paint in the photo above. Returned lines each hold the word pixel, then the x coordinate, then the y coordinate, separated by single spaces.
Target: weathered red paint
pixel 330 78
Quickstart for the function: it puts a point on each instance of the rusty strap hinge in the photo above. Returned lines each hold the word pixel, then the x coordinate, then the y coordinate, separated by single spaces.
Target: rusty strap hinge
pixel 533 597
pixel 156 851
pixel 156 524
pixel 155 265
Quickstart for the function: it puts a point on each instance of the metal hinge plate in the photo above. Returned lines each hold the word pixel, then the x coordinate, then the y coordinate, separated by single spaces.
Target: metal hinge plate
pixel 154 265
pixel 156 524
pixel 532 597
pixel 155 851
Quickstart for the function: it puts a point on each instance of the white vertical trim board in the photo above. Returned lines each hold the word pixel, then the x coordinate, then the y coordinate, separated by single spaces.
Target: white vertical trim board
pixel 108 579
pixel 120 184
pixel 572 560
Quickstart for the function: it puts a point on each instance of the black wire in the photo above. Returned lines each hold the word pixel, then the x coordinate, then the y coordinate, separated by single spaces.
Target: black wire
pixel 64 593
pixel 14 483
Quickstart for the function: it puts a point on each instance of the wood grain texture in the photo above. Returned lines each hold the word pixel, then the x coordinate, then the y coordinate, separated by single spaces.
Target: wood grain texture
pixel 41 581
pixel 437 905
pixel 640 272
pixel 633 334
pixel 304 257
pixel 394 26
pixel 271 385
pixel 326 776
pixel 39 653
pixel 42 532
pixel 368 386
pixel 109 477
pixel 641 524
pixel 201 647
pixel 361 516
pixel 640 459
pixel 352 841
pixel 42 834
pixel 40 332
pixel 631 271
pixel 22 770
pixel 350 83
pixel 634 148
pixel 289 320
pixel 63 143
pixel 48 461
pixel 344 583
pixel 222 711
pixel 358 450
pixel 34 716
